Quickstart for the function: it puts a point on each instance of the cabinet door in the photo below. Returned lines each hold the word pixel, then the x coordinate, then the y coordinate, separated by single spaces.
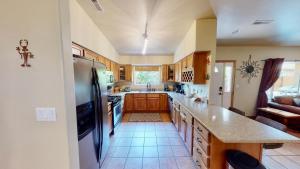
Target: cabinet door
pixel 184 64
pixel 77 50
pixel 189 61
pixel 90 54
pixel 164 73
pixel 128 72
pixel 164 102
pixel 153 104
pixel 140 104
pixel 189 133
pixel 200 67
pixel 129 102
pixel 107 64
pixel 116 72
pixel 182 129
pixel 179 72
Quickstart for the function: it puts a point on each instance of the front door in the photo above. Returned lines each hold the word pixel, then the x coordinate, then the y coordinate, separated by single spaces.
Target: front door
pixel 222 83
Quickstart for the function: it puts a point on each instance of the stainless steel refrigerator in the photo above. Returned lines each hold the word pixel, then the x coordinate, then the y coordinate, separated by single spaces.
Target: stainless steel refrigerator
pixel 92 113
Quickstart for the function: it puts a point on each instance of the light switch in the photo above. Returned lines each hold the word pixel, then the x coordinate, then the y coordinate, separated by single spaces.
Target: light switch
pixel 45 114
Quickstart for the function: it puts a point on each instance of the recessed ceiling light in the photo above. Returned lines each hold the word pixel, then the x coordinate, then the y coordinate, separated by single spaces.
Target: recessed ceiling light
pixel 262 22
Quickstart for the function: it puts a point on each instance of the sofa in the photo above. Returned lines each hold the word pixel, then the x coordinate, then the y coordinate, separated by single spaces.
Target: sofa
pixel 287 103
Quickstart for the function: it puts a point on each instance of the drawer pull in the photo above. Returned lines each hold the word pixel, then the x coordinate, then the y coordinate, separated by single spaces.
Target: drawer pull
pixel 197 162
pixel 198 151
pixel 199 140
pixel 199 129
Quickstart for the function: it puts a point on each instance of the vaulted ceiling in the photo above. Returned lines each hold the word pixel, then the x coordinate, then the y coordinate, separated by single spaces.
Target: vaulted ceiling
pixel 123 22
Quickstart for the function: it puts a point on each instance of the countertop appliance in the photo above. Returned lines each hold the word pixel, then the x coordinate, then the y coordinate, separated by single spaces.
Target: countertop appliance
pixel 92 112
pixel 179 88
pixel 117 109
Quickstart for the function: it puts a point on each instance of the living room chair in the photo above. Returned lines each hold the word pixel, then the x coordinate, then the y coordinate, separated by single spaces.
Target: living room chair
pixel 237 111
pixel 273 124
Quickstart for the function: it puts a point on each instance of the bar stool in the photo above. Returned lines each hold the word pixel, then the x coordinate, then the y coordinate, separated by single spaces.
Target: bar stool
pixel 240 160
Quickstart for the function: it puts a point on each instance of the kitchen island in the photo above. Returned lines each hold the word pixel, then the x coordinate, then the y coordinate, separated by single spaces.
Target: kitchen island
pixel 209 130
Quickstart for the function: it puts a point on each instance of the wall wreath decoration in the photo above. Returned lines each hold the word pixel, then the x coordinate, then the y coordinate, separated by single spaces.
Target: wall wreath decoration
pixel 249 69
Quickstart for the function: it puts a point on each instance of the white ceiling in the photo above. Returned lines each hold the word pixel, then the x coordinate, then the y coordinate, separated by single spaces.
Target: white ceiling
pixel 240 14
pixel 123 22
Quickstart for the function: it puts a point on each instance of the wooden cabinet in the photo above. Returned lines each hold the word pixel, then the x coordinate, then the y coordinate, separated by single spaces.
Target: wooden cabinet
pixel 176 107
pixel 90 54
pixel 128 72
pixel 107 64
pixel 164 102
pixel 178 72
pixel 129 102
pixel 153 104
pixel 116 72
pixel 164 73
pixel 189 132
pixel 77 50
pixel 125 72
pixel 168 73
pixel 146 102
pixel 194 68
pixel 140 104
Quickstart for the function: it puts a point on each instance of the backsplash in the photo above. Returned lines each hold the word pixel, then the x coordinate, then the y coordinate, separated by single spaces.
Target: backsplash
pixel 199 90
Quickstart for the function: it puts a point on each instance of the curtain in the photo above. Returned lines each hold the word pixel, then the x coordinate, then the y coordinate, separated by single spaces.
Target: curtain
pixel 146 68
pixel 271 73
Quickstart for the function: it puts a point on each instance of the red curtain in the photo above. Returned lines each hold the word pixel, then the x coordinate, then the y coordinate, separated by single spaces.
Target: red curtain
pixel 270 75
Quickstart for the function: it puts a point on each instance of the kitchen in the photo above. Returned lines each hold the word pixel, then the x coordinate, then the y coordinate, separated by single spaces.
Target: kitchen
pixel 89 84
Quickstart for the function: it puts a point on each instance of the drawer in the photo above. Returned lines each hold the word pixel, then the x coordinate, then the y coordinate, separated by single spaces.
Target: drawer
pixel 200 154
pixel 152 95
pixel 202 130
pixel 139 95
pixel 198 140
pixel 198 162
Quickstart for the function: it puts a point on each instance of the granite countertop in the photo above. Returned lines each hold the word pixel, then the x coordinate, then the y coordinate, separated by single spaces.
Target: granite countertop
pixel 230 127
pixel 227 126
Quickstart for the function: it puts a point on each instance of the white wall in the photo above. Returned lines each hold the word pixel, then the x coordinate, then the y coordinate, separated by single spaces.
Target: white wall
pixel 187 45
pixel 151 60
pixel 246 93
pixel 26 143
pixel 85 32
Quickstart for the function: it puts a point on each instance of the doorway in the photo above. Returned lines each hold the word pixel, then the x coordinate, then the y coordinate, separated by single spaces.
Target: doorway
pixel 222 83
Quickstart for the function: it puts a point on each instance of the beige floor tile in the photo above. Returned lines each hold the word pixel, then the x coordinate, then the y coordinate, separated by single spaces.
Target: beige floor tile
pixel 150 163
pixel 167 163
pixel 136 152
pixel 134 163
pixel 150 151
pixel 165 151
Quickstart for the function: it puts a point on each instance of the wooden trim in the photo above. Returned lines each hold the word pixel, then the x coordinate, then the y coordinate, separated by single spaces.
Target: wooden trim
pixel 234 73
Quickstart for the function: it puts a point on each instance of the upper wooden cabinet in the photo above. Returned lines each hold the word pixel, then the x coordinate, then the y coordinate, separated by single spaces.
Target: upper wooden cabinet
pixel 168 73
pixel 178 72
pixel 90 54
pixel 108 64
pixel 128 72
pixel 193 68
pixel 77 50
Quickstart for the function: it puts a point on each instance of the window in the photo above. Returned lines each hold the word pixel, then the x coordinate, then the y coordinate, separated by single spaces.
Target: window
pixel 147 74
pixel 289 80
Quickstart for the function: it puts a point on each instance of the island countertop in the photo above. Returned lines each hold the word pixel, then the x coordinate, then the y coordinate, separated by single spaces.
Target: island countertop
pixel 230 127
pixel 226 125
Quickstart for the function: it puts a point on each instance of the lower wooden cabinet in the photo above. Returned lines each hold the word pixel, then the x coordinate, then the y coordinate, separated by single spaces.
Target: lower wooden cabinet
pixel 140 103
pixel 153 104
pixel 146 102
pixel 129 102
pixel 110 118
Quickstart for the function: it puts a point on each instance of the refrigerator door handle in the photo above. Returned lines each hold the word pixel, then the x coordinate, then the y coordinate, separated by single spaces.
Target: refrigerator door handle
pixel 96 137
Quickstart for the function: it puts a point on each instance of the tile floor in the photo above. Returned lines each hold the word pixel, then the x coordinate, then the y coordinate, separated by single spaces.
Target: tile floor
pixel 152 145
pixel 157 145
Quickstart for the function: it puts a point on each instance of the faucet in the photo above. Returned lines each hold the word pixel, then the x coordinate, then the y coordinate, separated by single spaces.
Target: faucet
pixel 148 86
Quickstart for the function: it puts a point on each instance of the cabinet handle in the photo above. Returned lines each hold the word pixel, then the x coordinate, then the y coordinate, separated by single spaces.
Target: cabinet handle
pixel 198 151
pixel 199 140
pixel 197 161
pixel 198 128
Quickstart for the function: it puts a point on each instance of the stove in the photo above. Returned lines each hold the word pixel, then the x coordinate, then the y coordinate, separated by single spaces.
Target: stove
pixel 117 108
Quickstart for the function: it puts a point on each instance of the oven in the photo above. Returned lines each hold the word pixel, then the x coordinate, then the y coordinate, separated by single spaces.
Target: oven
pixel 117 111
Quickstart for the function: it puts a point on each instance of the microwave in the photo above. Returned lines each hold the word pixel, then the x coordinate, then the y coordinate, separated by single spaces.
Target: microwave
pixel 109 77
